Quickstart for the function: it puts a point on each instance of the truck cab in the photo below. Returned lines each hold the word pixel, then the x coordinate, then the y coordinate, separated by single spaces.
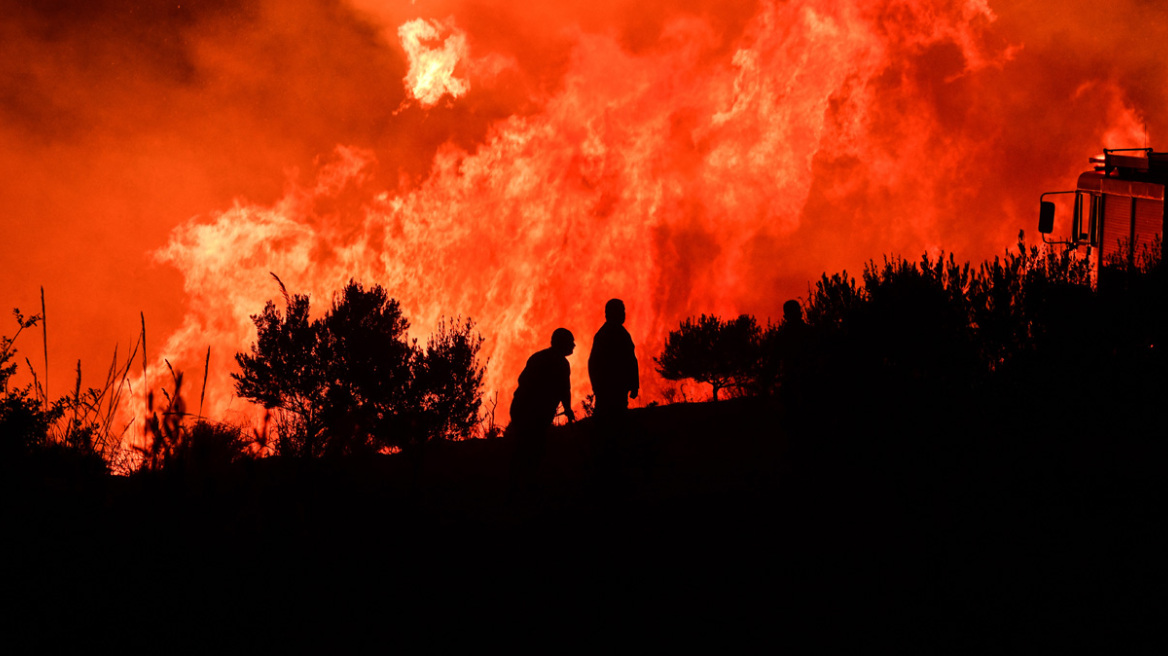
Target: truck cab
pixel 1118 210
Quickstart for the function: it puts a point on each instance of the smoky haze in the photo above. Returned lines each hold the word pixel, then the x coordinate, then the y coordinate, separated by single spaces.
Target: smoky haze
pixel 687 157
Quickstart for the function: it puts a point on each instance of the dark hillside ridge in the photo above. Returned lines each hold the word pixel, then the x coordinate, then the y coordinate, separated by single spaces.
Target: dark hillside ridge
pixel 946 459
pixel 908 515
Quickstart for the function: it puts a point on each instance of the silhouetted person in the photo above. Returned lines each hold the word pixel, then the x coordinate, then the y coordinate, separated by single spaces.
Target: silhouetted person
pixel 544 386
pixel 794 349
pixel 612 365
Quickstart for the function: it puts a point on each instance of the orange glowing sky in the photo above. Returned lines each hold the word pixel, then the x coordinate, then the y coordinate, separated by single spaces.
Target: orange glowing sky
pixel 521 165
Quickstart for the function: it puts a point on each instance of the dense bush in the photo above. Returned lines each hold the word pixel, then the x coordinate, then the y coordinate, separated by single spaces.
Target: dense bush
pixel 934 322
pixel 178 445
pixel 449 380
pixel 72 431
pixel 24 421
pixel 352 381
pixel 941 321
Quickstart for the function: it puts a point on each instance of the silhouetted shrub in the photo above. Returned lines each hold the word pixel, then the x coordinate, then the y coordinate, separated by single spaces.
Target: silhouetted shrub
pixel 366 364
pixel 353 382
pixel 915 323
pixel 788 357
pixel 939 320
pixel 1028 300
pixel 833 300
pixel 73 432
pixel 164 430
pixel 720 353
pixel 208 448
pixel 449 381
pixel 202 447
pixel 24 422
pixel 284 371
pixel 935 324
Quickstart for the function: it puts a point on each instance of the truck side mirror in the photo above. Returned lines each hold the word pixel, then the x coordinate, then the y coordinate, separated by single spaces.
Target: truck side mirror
pixel 1046 217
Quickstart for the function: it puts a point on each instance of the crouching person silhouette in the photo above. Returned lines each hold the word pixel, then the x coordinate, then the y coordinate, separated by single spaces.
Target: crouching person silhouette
pixel 544 386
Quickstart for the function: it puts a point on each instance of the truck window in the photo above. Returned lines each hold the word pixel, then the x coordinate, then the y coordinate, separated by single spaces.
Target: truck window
pixel 1086 209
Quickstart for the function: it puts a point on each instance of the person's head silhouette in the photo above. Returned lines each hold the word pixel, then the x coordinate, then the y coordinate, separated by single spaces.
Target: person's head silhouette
pixel 792 312
pixel 563 342
pixel 614 311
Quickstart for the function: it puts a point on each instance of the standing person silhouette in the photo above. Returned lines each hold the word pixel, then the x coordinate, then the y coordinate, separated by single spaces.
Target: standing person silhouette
pixel 544 385
pixel 612 364
pixel 794 348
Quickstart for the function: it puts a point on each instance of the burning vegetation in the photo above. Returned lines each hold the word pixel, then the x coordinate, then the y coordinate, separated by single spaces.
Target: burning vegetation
pixel 521 166
pixel 938 441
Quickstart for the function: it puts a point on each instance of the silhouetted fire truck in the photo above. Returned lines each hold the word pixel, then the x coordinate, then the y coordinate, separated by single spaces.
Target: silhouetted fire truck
pixel 1119 206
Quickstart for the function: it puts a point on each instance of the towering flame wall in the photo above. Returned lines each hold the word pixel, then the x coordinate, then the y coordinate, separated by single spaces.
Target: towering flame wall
pixel 521 166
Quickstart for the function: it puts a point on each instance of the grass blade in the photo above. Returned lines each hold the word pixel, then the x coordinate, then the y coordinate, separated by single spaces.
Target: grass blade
pixel 45 341
pixel 203 392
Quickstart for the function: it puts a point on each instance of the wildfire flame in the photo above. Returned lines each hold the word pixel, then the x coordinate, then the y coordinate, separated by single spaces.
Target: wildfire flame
pixel 431 73
pixel 534 162
pixel 663 178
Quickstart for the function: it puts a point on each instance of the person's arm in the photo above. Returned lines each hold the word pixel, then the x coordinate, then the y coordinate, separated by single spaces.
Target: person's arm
pixel 634 373
pixel 566 393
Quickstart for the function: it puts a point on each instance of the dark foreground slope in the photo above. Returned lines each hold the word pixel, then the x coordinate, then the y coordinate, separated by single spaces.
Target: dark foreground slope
pixel 900 515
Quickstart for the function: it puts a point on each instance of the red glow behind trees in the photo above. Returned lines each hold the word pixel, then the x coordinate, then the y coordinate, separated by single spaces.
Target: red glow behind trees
pixel 701 158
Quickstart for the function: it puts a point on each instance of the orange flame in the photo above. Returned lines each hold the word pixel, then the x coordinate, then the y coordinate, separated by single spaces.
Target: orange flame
pixel 658 177
pixel 521 165
pixel 431 73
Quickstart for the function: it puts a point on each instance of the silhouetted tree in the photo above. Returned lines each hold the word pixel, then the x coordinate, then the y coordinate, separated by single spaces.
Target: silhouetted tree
pixel 450 380
pixel 369 363
pixel 710 350
pixel 284 370
pixel 352 381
